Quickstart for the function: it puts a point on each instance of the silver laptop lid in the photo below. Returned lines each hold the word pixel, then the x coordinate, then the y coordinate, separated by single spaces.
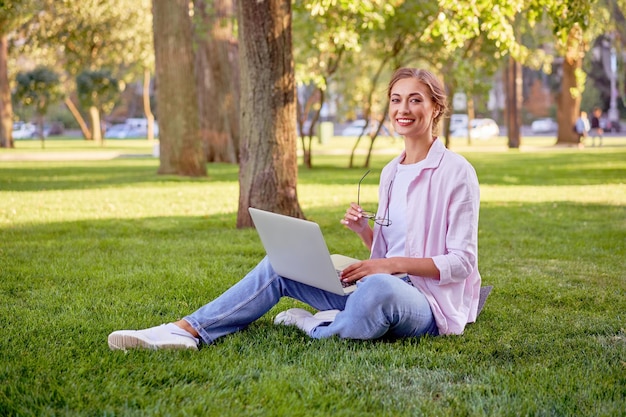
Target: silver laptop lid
pixel 296 249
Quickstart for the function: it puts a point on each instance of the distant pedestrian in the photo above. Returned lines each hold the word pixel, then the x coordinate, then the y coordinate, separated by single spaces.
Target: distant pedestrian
pixel 596 129
pixel 582 128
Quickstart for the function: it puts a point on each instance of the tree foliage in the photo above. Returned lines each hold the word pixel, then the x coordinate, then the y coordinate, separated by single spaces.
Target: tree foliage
pixel 347 44
pixel 333 29
pixel 38 88
pixel 97 89
pixel 74 36
pixel 95 34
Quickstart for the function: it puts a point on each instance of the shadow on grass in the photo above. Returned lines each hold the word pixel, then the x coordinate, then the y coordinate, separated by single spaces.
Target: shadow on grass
pixel 565 168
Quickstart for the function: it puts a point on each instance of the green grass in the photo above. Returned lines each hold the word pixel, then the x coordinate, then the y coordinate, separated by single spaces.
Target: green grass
pixel 88 247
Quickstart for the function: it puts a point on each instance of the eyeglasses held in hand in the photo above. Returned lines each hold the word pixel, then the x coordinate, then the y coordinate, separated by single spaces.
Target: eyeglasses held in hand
pixel 369 215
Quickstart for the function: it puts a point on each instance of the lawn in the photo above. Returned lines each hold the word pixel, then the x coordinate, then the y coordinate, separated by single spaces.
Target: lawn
pixel 92 246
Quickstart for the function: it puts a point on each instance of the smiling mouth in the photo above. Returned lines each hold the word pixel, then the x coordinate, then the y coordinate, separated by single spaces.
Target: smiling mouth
pixel 404 121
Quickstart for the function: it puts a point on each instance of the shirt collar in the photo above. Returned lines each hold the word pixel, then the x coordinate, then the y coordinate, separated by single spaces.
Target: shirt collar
pixel 433 158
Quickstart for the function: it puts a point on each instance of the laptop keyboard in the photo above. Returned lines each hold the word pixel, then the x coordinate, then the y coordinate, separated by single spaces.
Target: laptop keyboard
pixel 404 278
pixel 344 284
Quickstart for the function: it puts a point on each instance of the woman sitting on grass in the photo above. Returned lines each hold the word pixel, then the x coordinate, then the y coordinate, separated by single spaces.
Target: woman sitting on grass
pixel 426 227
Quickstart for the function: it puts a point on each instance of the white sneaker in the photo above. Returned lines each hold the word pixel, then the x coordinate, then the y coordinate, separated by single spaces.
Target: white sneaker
pixel 165 336
pixel 303 319
pixel 328 316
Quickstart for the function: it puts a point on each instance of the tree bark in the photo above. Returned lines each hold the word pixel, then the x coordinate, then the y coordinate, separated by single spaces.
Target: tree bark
pixel 569 96
pixel 181 150
pixel 217 72
pixel 6 108
pixel 513 102
pixel 268 160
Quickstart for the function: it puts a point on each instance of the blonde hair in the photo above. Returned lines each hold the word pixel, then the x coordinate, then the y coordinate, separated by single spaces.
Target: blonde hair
pixel 435 86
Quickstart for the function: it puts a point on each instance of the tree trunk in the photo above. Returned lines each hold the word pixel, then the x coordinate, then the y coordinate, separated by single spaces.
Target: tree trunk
pixel 368 110
pixel 302 115
pixel 268 162
pixel 146 104
pixel 308 147
pixel 513 102
pixel 373 137
pixel 6 108
pixel 181 150
pixel 217 70
pixel 79 119
pixel 96 128
pixel 451 88
pixel 569 96
pixel 40 132
pixel 471 115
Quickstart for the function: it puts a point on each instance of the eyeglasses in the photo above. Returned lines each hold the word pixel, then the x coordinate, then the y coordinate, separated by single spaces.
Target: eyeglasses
pixel 382 221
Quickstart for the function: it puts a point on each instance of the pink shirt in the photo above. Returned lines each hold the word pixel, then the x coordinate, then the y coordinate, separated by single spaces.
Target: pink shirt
pixel 442 223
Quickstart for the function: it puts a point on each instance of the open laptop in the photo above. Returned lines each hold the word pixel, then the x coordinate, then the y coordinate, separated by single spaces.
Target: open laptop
pixel 297 250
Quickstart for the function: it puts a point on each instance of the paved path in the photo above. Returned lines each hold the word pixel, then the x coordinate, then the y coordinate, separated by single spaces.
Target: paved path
pixel 66 156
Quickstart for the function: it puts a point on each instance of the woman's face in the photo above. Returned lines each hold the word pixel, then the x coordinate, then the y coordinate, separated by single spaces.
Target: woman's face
pixel 411 110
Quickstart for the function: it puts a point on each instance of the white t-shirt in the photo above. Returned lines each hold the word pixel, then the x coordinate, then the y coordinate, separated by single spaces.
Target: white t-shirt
pixel 395 233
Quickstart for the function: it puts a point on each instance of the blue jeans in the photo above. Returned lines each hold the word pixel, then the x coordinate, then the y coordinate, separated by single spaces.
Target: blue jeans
pixel 382 305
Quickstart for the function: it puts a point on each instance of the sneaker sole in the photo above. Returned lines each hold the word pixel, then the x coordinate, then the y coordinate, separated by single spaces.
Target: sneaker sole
pixel 127 341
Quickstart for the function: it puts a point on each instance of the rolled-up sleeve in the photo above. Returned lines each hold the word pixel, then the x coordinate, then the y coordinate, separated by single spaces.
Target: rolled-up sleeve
pixel 461 239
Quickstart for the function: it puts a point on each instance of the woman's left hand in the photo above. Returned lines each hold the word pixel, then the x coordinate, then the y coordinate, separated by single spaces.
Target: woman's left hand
pixel 358 270
pixel 354 219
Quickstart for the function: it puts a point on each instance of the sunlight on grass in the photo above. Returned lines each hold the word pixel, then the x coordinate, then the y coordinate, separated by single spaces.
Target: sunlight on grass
pixel 181 200
pixel 607 194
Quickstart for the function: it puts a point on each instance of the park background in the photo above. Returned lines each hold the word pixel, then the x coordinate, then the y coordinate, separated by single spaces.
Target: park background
pixel 98 234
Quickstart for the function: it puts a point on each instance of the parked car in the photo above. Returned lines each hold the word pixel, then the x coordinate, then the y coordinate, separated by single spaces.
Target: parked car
pixel 53 129
pixel 458 121
pixel 124 131
pixel 480 129
pixel 130 130
pixel 355 128
pixel 545 125
pixel 24 130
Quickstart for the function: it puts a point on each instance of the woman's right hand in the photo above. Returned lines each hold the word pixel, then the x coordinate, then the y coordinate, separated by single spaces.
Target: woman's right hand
pixel 354 219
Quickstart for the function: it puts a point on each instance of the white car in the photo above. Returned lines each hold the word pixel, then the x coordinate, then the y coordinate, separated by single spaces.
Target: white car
pixel 24 130
pixel 130 131
pixel 458 121
pixel 355 128
pixel 480 129
pixel 545 125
